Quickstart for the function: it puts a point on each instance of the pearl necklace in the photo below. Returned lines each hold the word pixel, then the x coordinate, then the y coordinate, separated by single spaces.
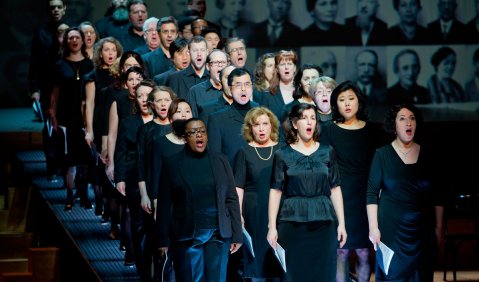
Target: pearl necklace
pixel 401 151
pixel 264 159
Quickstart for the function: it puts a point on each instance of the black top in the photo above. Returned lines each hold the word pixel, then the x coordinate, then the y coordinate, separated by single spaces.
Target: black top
pixel 156 62
pixel 125 151
pixel 306 182
pixel 201 94
pixel 211 107
pixel 224 129
pixel 406 196
pixel 181 81
pixel 145 140
pixel 102 79
pixel 69 77
pixel 354 150
pixel 161 148
pixel 203 188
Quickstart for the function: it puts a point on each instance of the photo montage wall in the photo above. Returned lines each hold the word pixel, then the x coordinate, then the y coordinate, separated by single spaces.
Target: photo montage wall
pixel 423 51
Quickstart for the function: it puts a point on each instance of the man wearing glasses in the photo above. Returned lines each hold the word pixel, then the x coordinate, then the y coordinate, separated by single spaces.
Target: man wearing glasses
pixel 150 34
pixel 133 36
pixel 224 126
pixel 158 61
pixel 236 49
pixel 209 90
pixel 225 135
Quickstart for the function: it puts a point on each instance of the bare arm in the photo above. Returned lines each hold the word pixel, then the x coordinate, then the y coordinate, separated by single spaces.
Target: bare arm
pixel 337 199
pixel 374 233
pixel 273 208
pixel 112 135
pixel 89 109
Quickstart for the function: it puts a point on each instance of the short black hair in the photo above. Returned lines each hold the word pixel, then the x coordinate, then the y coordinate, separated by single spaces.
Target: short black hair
pixel 238 72
pixel 166 20
pixel 178 45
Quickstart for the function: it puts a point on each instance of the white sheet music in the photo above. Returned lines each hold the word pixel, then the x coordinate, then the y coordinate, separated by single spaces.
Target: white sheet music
pixel 248 241
pixel 386 257
pixel 280 254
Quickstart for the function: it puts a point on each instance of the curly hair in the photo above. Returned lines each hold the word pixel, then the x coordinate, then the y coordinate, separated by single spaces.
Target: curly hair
pixel 389 123
pixel 250 120
pixel 97 57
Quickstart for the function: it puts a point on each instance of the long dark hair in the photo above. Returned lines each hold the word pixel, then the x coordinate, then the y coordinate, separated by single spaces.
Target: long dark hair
pixel 65 50
pixel 298 87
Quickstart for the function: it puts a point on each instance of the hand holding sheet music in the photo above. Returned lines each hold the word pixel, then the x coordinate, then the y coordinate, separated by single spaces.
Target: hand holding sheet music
pixel 384 255
pixel 280 254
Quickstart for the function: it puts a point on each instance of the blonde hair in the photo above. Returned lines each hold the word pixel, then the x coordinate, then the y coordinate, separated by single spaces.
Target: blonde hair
pixel 252 116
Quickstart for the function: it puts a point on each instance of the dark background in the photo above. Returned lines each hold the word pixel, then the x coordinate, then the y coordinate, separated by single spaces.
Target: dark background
pixel 19 18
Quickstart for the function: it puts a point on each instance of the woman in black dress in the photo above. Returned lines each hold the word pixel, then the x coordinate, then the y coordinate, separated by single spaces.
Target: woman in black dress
pixel 126 173
pixel 66 113
pixel 159 101
pixel 404 202
pixel 96 82
pixel 122 106
pixel 310 221
pixel 198 215
pixel 353 139
pixel 161 147
pixel 165 146
pixel 252 169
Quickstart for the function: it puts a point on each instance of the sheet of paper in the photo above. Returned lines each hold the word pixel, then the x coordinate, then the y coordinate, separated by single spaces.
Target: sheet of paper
pixel 64 129
pixel 248 241
pixel 49 127
pixel 384 255
pixel 280 254
pixel 38 109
